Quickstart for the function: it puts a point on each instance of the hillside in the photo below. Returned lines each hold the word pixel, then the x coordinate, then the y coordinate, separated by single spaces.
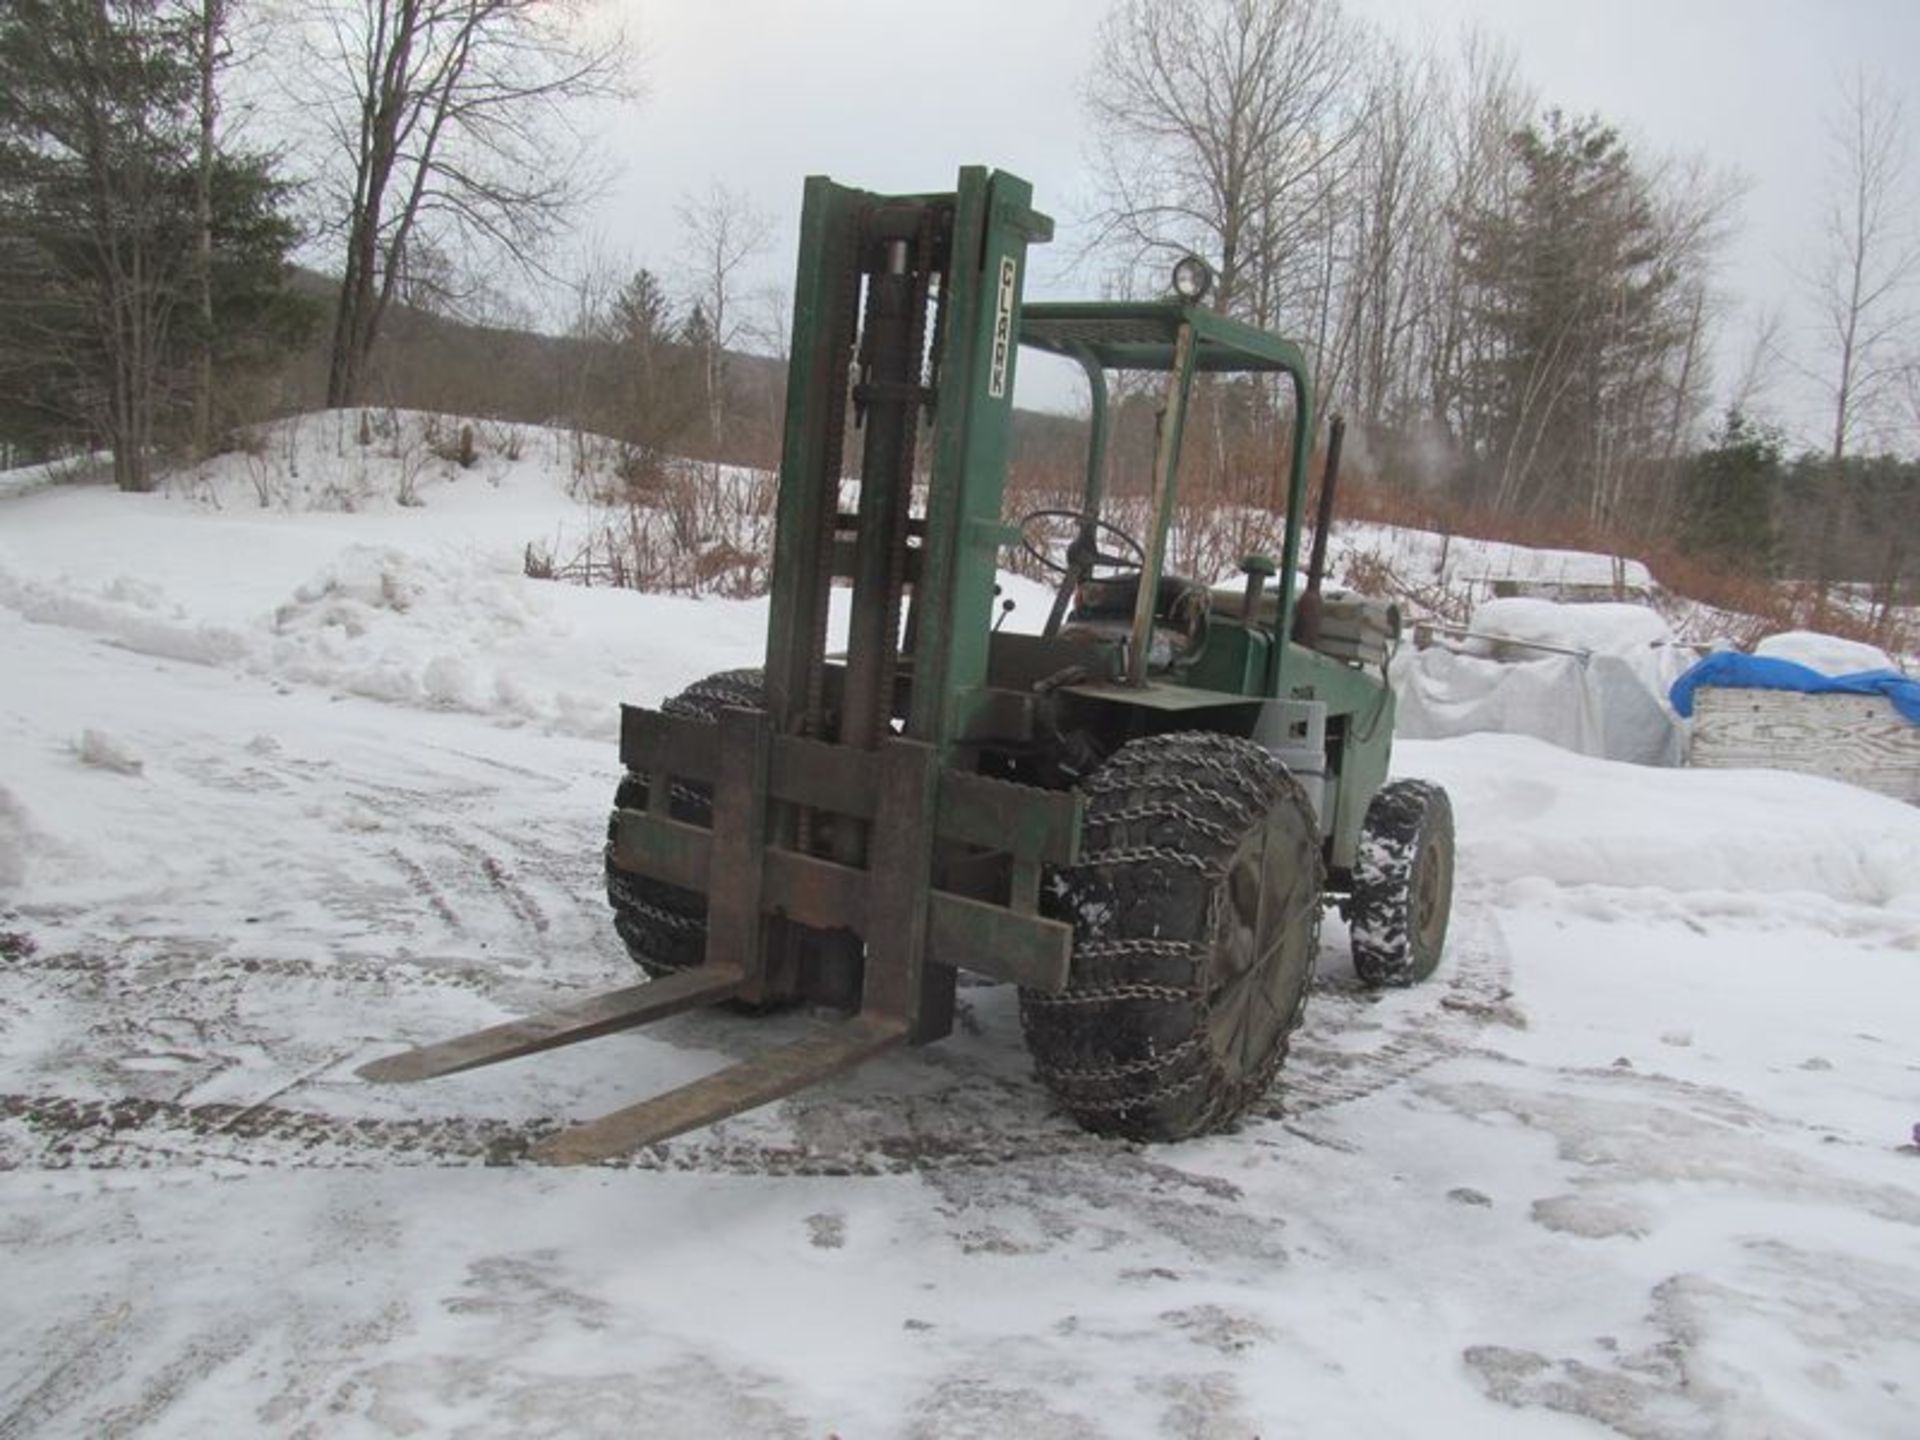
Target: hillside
pixel 432 362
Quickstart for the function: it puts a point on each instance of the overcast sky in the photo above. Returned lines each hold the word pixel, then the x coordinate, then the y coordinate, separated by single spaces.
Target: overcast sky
pixel 891 95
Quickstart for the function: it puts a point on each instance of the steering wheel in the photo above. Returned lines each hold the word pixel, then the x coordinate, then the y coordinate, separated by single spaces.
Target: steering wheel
pixel 1083 552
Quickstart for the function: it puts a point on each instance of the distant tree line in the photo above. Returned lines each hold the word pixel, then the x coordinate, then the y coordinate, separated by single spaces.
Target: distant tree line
pixel 145 283
pixel 1514 309
pixel 1513 306
pixel 1747 508
pixel 682 363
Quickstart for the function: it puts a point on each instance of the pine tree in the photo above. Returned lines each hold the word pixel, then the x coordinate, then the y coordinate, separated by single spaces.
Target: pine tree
pixel 1568 281
pixel 1729 496
pixel 659 386
pixel 641 315
pixel 99 229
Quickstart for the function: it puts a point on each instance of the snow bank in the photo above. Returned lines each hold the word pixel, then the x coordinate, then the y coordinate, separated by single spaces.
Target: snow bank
pixel 1454 562
pixel 127 613
pixel 435 627
pixel 22 478
pixel 384 624
pixel 338 584
pixel 1531 814
pixel 466 632
pixel 1829 654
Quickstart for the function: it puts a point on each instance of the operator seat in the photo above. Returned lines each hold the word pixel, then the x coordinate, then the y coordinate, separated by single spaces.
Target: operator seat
pixel 1104 609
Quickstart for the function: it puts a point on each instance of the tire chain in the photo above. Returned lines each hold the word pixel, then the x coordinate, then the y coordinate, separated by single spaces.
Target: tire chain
pixel 704 700
pixel 1140 814
pixel 1121 1104
pixel 1110 780
pixel 1232 771
pixel 1126 1070
pixel 1111 994
pixel 1478 980
pixel 660 916
pixel 1158 855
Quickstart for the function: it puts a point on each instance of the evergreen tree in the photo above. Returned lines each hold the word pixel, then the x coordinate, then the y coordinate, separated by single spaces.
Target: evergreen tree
pixel 659 399
pixel 697 333
pixel 98 230
pixel 1567 277
pixel 641 317
pixel 1729 495
pixel 703 347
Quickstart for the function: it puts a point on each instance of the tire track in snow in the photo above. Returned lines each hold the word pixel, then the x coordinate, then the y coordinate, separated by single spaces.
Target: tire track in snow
pixel 970 1120
pixel 967 1124
pixel 1477 978
pixel 75 970
pixel 52 1132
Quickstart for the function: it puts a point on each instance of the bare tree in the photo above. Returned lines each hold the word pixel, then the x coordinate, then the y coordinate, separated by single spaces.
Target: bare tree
pixel 1226 128
pixel 451 129
pixel 1394 217
pixel 1862 291
pixel 1693 207
pixel 724 233
pixel 1486 106
pixel 1910 401
pixel 1754 379
pixel 210 51
pixel 580 368
pixel 1223 125
pixel 770 331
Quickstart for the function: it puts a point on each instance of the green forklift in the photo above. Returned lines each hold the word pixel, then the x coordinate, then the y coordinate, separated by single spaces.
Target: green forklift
pixel 1136 815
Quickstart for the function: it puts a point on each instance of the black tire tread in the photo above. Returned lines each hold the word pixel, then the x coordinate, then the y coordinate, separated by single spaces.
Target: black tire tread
pixel 663 926
pixel 1403 815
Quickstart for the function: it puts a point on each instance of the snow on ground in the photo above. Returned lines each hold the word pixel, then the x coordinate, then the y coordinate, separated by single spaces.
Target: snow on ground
pixel 23 478
pixel 417 604
pixel 1634 1162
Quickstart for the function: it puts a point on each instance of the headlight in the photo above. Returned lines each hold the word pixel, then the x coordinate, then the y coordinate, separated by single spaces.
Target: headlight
pixel 1192 279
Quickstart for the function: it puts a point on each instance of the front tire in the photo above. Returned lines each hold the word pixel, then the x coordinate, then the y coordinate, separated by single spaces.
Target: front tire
pixel 1402 884
pixel 1196 916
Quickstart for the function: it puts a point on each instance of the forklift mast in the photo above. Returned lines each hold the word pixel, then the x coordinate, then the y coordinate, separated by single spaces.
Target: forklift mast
pixel 941 268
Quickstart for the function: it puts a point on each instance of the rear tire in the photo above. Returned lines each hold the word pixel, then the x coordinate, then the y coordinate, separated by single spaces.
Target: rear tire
pixel 663 926
pixel 1196 917
pixel 1402 884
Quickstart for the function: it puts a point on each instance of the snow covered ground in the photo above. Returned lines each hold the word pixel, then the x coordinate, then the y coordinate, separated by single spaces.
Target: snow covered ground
pixel 282 790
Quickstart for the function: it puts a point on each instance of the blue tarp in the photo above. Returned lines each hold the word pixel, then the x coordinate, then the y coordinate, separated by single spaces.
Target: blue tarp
pixel 1733 670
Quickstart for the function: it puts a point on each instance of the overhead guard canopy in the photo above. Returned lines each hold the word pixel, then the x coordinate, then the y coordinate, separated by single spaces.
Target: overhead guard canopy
pixel 1141 336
